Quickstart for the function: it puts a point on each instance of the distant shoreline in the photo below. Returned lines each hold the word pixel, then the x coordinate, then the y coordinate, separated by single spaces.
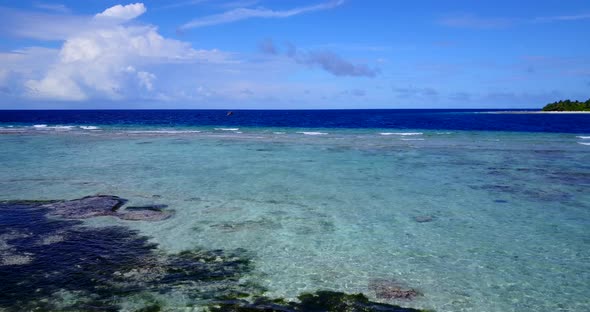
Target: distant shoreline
pixel 538 112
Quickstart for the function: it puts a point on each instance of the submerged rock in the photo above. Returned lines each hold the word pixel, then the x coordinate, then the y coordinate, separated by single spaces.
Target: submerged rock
pixel 321 301
pixel 391 289
pixel 102 205
pixel 98 269
pixel 86 207
pixel 27 202
pixel 146 213
pixel 103 266
pixel 149 207
pixel 423 219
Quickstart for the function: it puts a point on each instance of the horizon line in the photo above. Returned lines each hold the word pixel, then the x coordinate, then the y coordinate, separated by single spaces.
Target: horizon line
pixel 251 109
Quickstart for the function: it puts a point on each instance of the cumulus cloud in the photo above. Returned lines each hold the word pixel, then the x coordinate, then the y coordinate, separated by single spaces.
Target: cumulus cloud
pixel 101 62
pixel 120 12
pixel 58 85
pixel 247 13
pixel 17 66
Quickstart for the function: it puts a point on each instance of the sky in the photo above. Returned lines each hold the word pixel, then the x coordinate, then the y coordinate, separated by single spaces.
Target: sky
pixel 293 54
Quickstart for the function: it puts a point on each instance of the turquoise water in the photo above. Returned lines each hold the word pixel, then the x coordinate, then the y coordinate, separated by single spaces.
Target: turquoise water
pixel 508 213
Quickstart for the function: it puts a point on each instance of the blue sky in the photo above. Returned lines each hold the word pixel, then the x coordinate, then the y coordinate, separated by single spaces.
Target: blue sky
pixel 293 54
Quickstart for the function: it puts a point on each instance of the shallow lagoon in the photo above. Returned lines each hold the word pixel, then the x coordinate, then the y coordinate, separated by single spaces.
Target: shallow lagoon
pixel 475 220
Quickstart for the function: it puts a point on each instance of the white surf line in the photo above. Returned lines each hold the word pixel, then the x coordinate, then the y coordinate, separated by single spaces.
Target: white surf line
pixel 312 133
pixel 401 133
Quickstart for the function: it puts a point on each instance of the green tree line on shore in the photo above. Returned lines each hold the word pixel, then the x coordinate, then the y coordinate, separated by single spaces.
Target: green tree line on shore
pixel 568 105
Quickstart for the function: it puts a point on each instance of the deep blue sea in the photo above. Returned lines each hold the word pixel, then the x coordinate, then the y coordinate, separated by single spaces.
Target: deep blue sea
pixel 446 210
pixel 483 120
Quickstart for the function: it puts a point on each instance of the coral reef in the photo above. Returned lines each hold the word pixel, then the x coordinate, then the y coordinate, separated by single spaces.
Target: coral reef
pixel 321 301
pixel 104 205
pixel 49 261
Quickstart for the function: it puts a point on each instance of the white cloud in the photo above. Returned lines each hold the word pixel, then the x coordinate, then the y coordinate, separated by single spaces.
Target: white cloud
pixel 17 66
pixel 146 80
pixel 109 60
pixel 120 12
pixel 244 13
pixel 58 86
pixel 116 59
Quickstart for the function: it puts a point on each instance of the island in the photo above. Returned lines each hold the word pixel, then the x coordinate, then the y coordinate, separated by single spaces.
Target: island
pixel 567 106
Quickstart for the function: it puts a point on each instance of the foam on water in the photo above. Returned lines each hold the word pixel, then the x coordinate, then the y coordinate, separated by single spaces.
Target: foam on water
pixel 57 128
pixel 312 133
pixel 401 133
pixel 89 127
pixel 584 143
pixel 583 137
pixel 227 129
pixel 474 227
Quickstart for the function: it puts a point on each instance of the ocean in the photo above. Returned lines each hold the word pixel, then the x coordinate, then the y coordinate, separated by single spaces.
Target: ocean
pixel 444 210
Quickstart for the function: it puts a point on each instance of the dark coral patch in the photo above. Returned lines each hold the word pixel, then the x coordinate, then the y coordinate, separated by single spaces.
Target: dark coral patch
pixel 103 266
pixel 86 207
pixel 43 258
pixel 321 301
pixel 104 205
pixel 392 289
pixel 423 218
pixel 146 213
